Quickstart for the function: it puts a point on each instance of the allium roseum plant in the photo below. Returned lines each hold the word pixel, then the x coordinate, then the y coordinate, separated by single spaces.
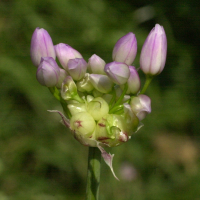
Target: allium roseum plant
pixel 102 103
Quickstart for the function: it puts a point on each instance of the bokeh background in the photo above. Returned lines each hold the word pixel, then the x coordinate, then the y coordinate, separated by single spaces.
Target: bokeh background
pixel 39 158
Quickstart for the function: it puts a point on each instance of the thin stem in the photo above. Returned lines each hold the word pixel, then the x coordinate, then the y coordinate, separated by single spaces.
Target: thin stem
pixel 120 98
pixel 147 82
pixel 93 176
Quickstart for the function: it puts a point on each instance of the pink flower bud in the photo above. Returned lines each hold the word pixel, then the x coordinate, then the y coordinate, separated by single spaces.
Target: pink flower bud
pixel 117 72
pixel 154 51
pixel 41 46
pixel 96 65
pixel 77 68
pixel 125 49
pixel 64 53
pixel 133 81
pixel 141 106
pixel 61 78
pixel 48 72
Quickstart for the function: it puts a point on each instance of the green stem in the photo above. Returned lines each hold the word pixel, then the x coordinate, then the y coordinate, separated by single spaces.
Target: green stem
pixel 147 82
pixel 120 98
pixel 93 176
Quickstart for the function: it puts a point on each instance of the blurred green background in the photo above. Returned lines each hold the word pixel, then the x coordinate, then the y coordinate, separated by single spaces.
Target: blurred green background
pixel 40 159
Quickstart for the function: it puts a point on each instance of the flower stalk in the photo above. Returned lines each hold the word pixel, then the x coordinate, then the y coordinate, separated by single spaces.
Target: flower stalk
pixel 93 174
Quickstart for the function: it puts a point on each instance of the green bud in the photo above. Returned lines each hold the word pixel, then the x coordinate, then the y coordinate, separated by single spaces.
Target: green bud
pixel 76 107
pixel 111 130
pixel 85 85
pixel 98 108
pixel 82 124
pixel 69 90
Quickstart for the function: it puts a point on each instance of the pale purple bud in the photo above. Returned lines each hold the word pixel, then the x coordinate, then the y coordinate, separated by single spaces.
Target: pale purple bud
pixel 77 68
pixel 133 81
pixel 61 78
pixel 96 65
pixel 154 51
pixel 41 46
pixel 125 49
pixel 65 52
pixel 118 72
pixel 101 83
pixel 48 72
pixel 141 106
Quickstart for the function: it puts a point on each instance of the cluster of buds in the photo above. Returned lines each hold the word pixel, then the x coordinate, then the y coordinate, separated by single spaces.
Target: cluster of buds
pixel 103 102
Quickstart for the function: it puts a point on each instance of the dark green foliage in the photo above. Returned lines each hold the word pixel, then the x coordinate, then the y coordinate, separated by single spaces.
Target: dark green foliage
pixel 40 159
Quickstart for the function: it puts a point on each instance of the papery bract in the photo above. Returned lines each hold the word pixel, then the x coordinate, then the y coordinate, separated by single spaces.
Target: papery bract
pixel 154 51
pixel 48 72
pixel 117 72
pixel 141 106
pixel 64 52
pixel 41 46
pixel 77 68
pixel 125 49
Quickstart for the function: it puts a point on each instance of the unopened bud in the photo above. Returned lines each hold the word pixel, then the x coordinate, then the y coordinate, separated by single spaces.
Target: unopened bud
pixel 48 72
pixel 65 52
pixel 85 85
pixel 117 72
pixel 141 106
pixel 154 51
pixel 133 81
pixel 82 124
pixel 96 65
pixel 98 108
pixel 77 68
pixel 101 83
pixel 69 89
pixel 41 46
pixel 125 49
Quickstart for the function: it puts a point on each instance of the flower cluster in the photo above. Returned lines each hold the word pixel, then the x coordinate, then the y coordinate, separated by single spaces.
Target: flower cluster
pixel 102 102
